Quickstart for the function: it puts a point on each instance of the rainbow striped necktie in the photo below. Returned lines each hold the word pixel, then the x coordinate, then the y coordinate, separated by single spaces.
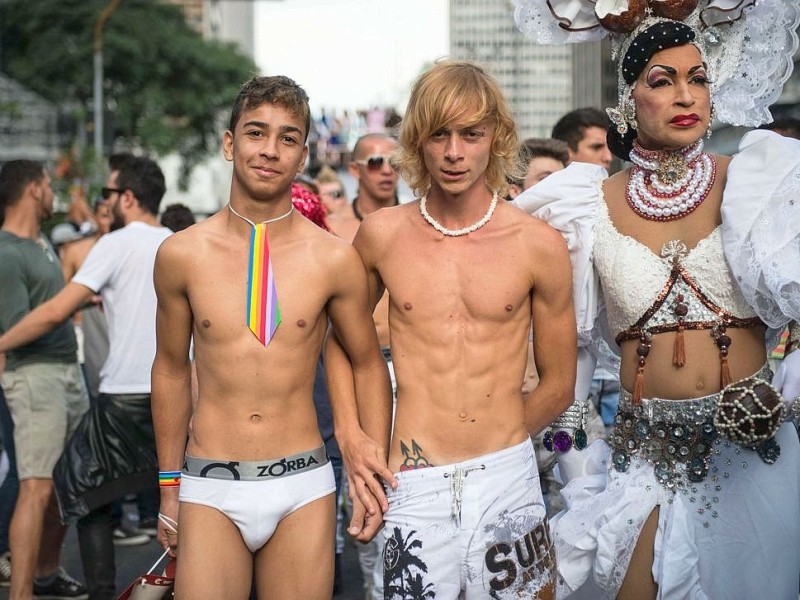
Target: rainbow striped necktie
pixel 263 311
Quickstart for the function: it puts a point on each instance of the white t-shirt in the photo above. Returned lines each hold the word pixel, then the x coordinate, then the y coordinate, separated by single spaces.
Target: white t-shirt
pixel 120 268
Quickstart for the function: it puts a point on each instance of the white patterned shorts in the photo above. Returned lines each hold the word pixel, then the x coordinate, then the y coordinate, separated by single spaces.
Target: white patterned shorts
pixel 474 529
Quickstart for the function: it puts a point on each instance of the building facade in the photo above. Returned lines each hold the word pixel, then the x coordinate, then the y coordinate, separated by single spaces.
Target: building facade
pixel 541 83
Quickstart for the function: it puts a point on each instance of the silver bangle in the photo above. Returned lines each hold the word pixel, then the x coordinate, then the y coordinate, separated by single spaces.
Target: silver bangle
pixel 574 417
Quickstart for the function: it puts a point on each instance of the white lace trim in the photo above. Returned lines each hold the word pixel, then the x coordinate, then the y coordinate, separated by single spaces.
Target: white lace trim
pixel 768 33
pixel 633 276
pixel 762 234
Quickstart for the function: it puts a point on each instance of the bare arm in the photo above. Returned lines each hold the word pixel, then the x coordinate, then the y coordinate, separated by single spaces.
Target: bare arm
pixel 360 392
pixel 171 375
pixel 554 332
pixel 46 317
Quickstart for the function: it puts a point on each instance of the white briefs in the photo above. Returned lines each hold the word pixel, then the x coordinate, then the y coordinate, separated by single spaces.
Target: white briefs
pixel 256 505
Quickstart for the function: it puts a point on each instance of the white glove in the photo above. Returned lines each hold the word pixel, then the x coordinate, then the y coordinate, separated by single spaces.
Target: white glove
pixel 787 379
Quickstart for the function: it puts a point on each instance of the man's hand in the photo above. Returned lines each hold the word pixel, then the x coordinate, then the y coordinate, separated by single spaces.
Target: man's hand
pixel 167 533
pixel 363 526
pixel 366 466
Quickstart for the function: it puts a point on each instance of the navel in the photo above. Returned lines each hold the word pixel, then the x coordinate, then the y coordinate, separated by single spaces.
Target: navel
pixel 255 418
pixel 301 322
pixel 700 385
pixel 462 416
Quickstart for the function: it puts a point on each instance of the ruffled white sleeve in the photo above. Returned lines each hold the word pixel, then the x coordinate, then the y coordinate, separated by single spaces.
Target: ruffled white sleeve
pixel 761 224
pixel 567 201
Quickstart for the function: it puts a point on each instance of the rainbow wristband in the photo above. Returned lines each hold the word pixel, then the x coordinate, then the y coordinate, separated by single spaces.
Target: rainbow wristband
pixel 169 478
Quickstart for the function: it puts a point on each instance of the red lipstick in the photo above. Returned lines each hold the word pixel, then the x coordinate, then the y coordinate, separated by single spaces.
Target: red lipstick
pixel 685 120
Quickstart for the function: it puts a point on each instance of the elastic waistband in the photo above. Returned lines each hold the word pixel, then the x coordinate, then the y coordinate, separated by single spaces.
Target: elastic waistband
pixel 681 410
pixel 257 470
pixel 478 463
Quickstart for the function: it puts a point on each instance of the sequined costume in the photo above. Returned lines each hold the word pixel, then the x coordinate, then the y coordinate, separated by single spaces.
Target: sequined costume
pixel 728 521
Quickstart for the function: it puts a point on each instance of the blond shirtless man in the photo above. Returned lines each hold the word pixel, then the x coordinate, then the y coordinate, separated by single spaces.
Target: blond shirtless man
pixel 256 490
pixel 467 276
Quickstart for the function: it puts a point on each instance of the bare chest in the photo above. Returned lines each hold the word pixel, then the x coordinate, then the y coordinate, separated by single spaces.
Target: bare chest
pixel 458 279
pixel 220 287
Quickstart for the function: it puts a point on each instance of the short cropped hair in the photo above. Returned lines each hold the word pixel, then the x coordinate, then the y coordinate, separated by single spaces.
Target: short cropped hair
pixel 276 89
pixel 449 92
pixel 544 147
pixel 572 126
pixel 143 177
pixel 14 177
pixel 115 161
pixel 369 137
pixel 177 217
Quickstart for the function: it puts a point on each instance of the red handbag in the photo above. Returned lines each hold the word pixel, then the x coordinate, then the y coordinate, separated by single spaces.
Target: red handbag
pixel 150 586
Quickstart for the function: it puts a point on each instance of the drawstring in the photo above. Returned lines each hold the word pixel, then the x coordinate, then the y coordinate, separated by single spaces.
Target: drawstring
pixel 457 488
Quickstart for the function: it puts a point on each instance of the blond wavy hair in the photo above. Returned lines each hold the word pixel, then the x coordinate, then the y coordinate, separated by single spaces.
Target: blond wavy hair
pixel 457 92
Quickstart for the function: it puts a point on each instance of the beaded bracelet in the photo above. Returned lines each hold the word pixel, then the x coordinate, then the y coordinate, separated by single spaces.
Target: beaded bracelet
pixel 556 439
pixel 169 479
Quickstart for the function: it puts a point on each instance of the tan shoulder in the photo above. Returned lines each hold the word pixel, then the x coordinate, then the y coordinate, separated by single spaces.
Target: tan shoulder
pixel 191 241
pixel 722 161
pixel 383 225
pixel 327 248
pixel 391 216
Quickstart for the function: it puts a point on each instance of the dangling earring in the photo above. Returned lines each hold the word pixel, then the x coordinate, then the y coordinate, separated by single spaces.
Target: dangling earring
pixel 624 116
pixel 629 110
pixel 711 117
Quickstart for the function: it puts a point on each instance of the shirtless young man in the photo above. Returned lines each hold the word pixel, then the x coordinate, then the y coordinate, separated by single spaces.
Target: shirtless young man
pixel 467 277
pixel 254 421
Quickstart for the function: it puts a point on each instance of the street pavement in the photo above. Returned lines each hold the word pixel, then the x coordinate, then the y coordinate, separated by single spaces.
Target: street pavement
pixel 132 561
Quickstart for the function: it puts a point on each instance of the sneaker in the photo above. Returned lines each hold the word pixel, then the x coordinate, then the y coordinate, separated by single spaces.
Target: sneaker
pixel 5 569
pixel 148 526
pixel 123 537
pixel 63 587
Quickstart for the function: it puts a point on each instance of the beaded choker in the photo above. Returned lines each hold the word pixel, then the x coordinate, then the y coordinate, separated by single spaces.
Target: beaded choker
pixel 423 210
pixel 665 186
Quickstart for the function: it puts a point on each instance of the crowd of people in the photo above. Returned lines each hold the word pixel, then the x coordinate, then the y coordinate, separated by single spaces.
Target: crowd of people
pixel 553 374
pixel 333 135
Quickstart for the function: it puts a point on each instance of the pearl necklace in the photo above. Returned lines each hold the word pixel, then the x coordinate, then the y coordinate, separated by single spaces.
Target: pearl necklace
pixel 423 210
pixel 665 186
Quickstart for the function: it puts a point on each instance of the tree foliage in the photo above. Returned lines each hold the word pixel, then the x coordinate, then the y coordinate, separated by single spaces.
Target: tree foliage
pixel 164 84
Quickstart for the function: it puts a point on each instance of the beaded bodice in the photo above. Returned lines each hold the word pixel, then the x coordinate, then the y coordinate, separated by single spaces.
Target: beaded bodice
pixel 644 291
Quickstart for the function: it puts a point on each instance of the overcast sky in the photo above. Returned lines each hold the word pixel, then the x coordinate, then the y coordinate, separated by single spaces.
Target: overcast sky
pixel 351 53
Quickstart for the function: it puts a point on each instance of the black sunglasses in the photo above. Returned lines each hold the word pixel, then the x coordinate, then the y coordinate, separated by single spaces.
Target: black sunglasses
pixel 107 191
pixel 375 162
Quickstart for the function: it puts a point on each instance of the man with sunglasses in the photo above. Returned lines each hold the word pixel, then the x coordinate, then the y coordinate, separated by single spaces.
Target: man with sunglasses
pixel 112 452
pixel 376 176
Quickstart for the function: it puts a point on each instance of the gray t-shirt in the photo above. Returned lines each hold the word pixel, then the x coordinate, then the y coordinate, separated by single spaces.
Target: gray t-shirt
pixel 30 274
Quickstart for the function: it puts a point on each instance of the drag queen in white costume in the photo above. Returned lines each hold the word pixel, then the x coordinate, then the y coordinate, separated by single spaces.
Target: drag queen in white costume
pixel 685 264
